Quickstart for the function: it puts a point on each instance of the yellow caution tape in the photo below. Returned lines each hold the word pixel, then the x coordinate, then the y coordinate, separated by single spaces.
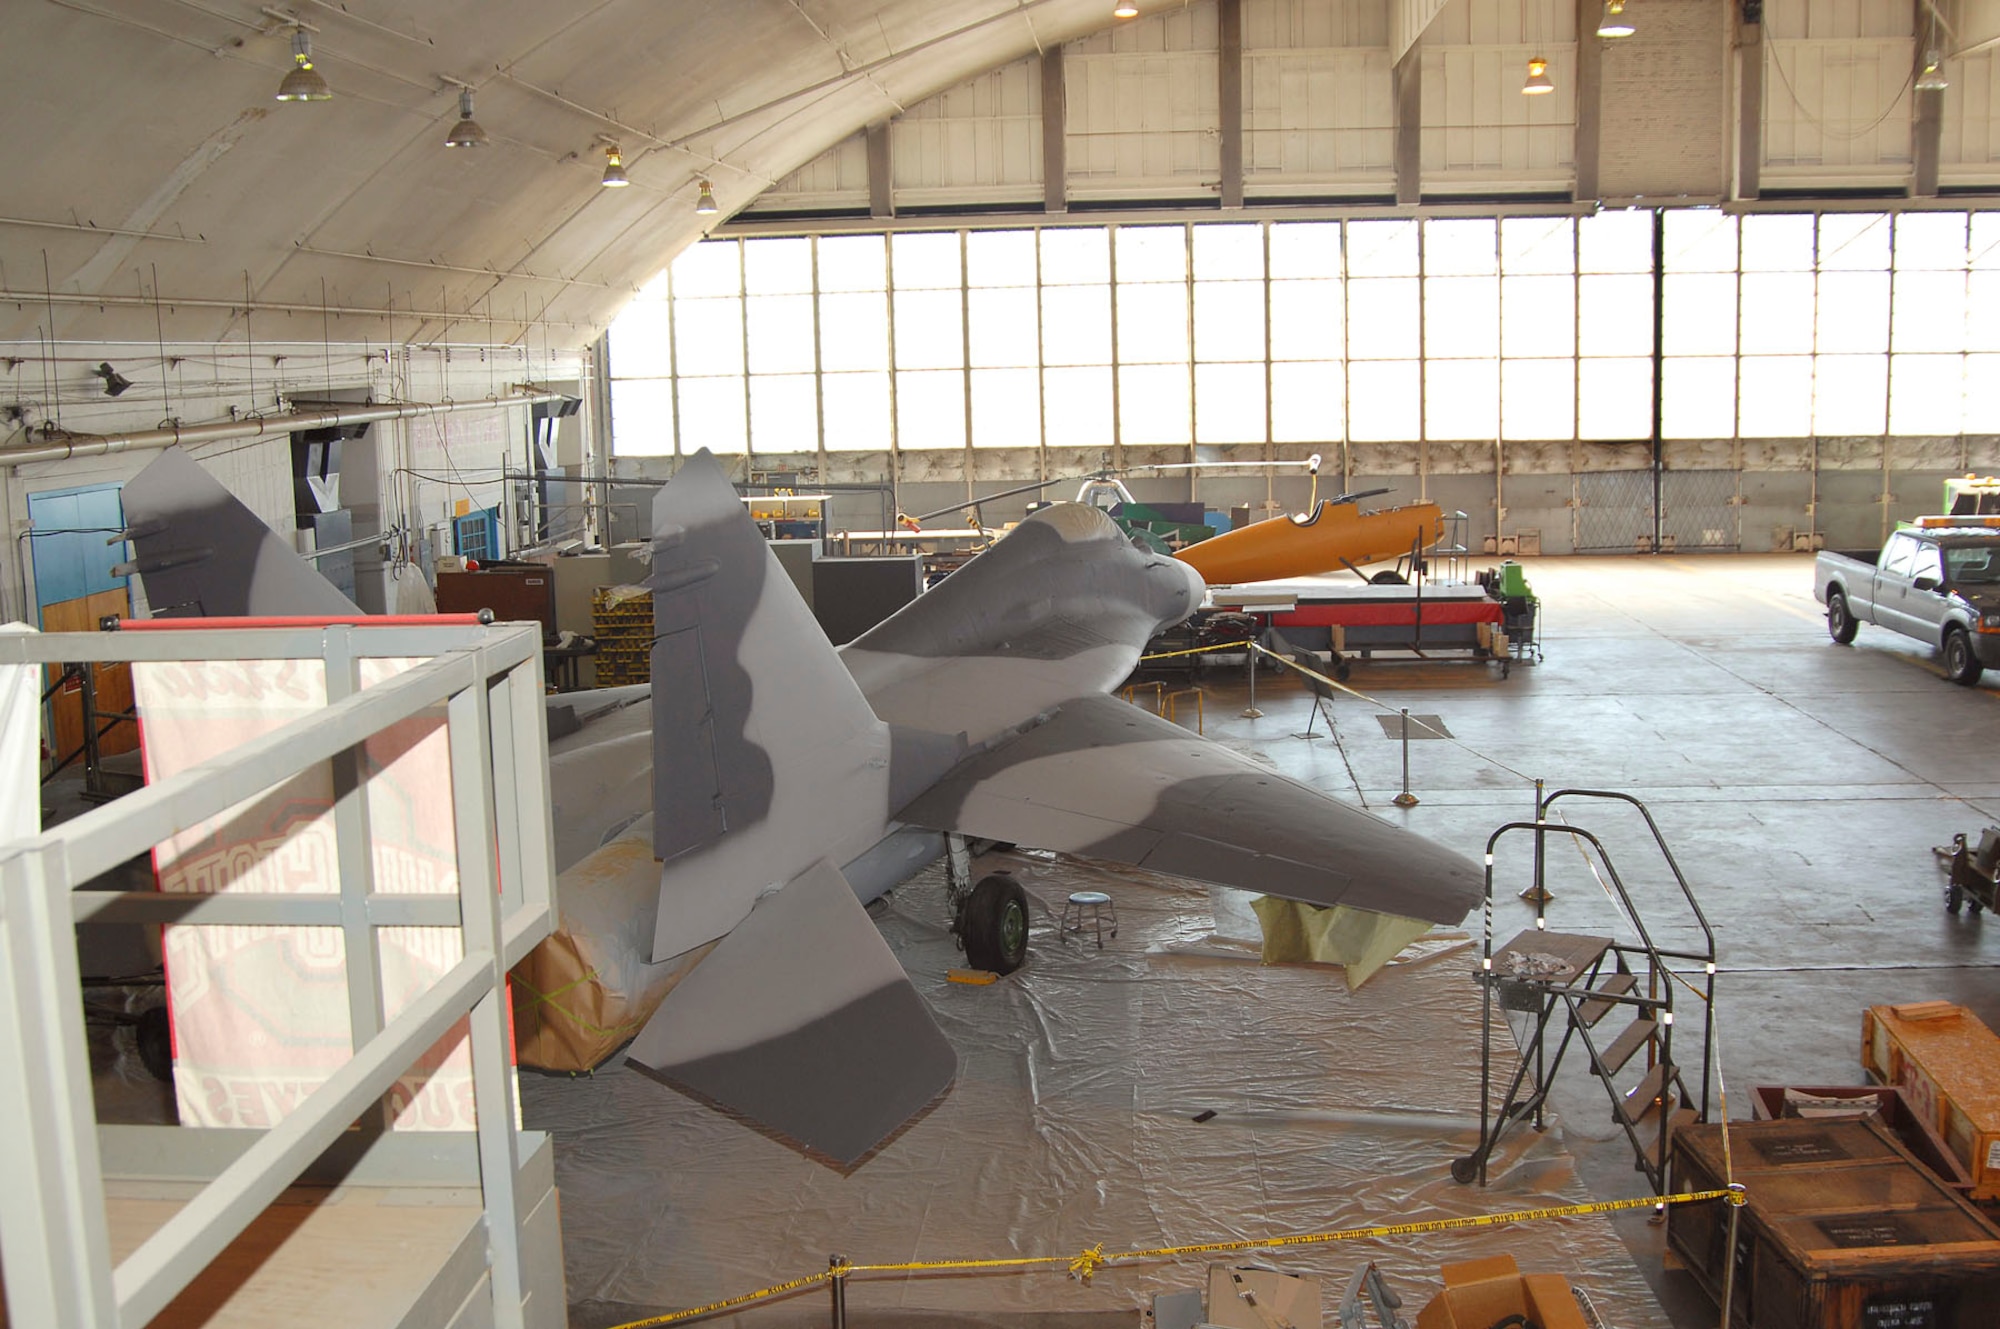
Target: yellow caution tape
pixel 1086 1262
pixel 728 1303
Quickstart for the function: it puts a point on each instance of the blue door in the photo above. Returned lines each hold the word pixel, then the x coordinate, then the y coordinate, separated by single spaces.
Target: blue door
pixel 70 544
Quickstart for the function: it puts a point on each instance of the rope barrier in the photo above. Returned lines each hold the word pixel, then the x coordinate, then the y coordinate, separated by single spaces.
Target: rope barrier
pixel 1338 686
pixel 1087 1262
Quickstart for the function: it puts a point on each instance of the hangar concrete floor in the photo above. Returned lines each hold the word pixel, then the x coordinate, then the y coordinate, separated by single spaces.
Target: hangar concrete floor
pixel 1800 786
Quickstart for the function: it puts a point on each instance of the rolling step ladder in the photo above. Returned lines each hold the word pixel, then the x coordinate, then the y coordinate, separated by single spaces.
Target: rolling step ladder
pixel 1619 1000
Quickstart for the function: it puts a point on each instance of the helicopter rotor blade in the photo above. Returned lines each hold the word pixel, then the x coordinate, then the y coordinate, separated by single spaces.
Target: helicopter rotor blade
pixel 990 498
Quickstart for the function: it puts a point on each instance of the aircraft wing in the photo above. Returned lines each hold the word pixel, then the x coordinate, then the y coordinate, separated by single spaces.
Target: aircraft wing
pixel 802 1020
pixel 1104 778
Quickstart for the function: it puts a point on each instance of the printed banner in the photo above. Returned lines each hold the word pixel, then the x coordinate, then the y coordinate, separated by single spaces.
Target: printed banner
pixel 260 1013
pixel 20 747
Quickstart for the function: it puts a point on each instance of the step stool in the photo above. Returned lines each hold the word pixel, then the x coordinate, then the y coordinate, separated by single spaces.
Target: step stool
pixel 1099 904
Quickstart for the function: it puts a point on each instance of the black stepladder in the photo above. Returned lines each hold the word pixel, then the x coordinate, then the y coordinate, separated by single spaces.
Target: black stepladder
pixel 1583 979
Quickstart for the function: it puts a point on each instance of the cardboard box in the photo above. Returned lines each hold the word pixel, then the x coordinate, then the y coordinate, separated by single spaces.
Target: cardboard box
pixel 1480 1293
pixel 1263 1299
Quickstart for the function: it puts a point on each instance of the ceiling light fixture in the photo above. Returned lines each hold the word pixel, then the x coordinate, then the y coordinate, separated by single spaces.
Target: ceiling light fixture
pixel 1538 78
pixel 303 83
pixel 1125 9
pixel 466 133
pixel 704 202
pixel 1932 79
pixel 114 382
pixel 614 168
pixel 1614 23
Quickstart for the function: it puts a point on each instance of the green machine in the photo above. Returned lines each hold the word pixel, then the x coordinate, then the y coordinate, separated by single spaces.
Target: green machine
pixel 1520 609
pixel 1150 528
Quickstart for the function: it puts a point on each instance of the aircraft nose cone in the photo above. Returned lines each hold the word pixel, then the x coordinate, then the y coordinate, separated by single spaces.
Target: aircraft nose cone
pixel 1176 590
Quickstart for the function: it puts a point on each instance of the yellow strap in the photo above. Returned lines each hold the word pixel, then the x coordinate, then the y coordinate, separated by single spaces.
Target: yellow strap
pixel 540 1000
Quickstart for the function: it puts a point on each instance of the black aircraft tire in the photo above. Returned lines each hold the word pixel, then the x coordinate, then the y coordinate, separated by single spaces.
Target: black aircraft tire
pixel 1961 666
pixel 156 1045
pixel 1954 898
pixel 995 925
pixel 1840 624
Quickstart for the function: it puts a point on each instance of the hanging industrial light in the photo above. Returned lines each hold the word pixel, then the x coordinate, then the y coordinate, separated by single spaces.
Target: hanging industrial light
pixel 1125 9
pixel 1614 23
pixel 467 132
pixel 1932 79
pixel 614 168
pixel 114 382
pixel 1538 78
pixel 704 199
pixel 303 83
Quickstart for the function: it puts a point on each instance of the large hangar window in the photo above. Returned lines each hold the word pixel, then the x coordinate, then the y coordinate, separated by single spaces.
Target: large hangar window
pixel 1773 325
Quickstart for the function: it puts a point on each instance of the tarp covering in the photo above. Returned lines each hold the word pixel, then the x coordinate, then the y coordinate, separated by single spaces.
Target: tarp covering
pixel 1358 941
pixel 1072 1122
pixel 590 985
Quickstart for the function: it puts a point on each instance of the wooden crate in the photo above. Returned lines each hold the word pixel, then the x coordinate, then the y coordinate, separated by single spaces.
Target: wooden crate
pixel 1948 1065
pixel 1919 1135
pixel 1843 1229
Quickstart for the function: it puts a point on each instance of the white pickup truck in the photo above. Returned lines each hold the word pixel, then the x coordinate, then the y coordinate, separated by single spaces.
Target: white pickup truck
pixel 1939 583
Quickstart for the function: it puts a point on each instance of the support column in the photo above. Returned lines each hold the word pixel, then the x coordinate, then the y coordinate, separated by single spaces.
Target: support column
pixel 1750 99
pixel 1589 97
pixel 1407 88
pixel 1229 99
pixel 1926 113
pixel 881 180
pixel 1055 133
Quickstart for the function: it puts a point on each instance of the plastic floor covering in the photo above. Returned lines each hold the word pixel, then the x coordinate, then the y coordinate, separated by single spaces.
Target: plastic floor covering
pixel 1073 1122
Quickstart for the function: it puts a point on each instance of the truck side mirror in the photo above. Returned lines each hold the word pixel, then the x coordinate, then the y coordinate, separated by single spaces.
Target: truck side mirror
pixel 1925 583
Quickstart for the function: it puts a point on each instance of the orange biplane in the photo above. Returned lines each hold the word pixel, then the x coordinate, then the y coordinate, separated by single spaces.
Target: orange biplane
pixel 1328 536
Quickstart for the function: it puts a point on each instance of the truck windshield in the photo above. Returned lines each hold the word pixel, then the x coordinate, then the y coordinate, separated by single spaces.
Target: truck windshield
pixel 1973 564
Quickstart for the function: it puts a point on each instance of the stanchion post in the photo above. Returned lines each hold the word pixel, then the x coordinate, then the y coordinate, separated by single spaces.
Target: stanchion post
pixel 836 1282
pixel 1252 713
pixel 1537 892
pixel 1736 1203
pixel 1406 799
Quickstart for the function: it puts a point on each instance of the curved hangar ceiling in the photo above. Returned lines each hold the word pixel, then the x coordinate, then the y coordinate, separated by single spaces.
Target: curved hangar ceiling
pixel 146 154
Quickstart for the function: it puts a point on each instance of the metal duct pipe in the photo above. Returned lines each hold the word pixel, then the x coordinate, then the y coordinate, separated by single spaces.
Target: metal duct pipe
pixel 98 445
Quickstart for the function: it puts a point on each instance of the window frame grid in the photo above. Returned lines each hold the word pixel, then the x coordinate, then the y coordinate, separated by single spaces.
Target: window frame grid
pixel 1427 425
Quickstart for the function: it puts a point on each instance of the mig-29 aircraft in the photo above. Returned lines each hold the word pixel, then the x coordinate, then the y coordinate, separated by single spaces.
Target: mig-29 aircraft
pixel 792 783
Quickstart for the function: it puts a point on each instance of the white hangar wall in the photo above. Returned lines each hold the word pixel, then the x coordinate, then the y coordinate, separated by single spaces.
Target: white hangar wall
pixel 1819 373
pixel 412 475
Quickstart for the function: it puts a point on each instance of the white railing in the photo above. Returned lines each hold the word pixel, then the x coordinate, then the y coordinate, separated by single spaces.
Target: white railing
pixel 54 1242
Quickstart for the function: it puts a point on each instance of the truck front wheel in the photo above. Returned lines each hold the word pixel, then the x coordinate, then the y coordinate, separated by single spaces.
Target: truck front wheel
pixel 1840 624
pixel 1961 666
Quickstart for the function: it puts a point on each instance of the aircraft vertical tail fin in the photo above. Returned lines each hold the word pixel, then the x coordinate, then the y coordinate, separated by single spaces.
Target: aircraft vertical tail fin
pixel 200 553
pixel 757 725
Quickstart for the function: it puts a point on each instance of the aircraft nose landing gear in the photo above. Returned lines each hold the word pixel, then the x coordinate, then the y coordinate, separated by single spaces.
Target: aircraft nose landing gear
pixel 992 924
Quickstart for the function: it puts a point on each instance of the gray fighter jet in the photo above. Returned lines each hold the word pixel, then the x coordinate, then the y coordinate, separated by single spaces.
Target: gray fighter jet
pixel 793 783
